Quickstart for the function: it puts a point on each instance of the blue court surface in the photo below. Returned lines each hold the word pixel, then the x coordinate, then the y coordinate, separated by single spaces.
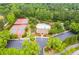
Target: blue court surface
pixel 15 44
pixel 41 41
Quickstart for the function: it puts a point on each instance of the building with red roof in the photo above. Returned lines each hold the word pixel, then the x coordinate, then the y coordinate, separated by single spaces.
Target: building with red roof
pixel 19 27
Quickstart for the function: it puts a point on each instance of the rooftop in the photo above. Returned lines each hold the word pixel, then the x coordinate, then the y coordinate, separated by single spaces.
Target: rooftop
pixel 43 26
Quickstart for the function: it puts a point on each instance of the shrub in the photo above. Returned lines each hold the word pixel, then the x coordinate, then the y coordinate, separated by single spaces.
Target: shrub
pixel 56 28
pixel 9 51
pixel 54 43
pixel 71 40
pixel 24 35
pixel 32 47
pixel 5 34
pixel 47 49
pixel 66 24
pixel 70 51
pixel 13 36
pixel 11 17
pixel 4 37
pixel 3 43
pixel 74 27
pixel 78 37
pixel 32 38
pixel 26 29
pixel 1 25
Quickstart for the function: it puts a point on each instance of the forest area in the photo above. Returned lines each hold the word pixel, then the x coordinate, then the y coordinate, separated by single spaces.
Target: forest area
pixel 67 13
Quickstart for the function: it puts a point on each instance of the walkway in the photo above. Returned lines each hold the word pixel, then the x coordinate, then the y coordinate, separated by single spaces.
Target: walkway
pixel 68 48
pixel 76 52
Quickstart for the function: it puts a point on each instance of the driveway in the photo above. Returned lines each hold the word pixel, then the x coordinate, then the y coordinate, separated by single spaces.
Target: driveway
pixel 68 48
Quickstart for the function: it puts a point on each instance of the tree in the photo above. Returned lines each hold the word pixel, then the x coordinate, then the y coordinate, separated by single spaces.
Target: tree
pixel 54 43
pixel 5 34
pixel 67 24
pixel 1 25
pixel 71 40
pixel 9 51
pixel 11 17
pixel 13 36
pixel 3 43
pixel 4 37
pixel 32 47
pixel 43 14
pixel 74 27
pixel 2 22
pixel 56 28
pixel 12 51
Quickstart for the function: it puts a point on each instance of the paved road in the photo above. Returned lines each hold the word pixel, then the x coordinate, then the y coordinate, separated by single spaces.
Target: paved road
pixel 76 52
pixel 68 48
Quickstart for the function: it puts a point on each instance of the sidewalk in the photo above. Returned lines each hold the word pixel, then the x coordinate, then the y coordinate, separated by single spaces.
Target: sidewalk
pixel 68 48
pixel 75 53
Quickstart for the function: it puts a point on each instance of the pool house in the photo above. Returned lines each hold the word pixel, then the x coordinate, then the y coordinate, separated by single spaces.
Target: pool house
pixel 42 29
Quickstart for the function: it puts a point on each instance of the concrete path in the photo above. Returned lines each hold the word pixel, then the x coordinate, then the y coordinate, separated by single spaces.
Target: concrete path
pixel 75 53
pixel 68 48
